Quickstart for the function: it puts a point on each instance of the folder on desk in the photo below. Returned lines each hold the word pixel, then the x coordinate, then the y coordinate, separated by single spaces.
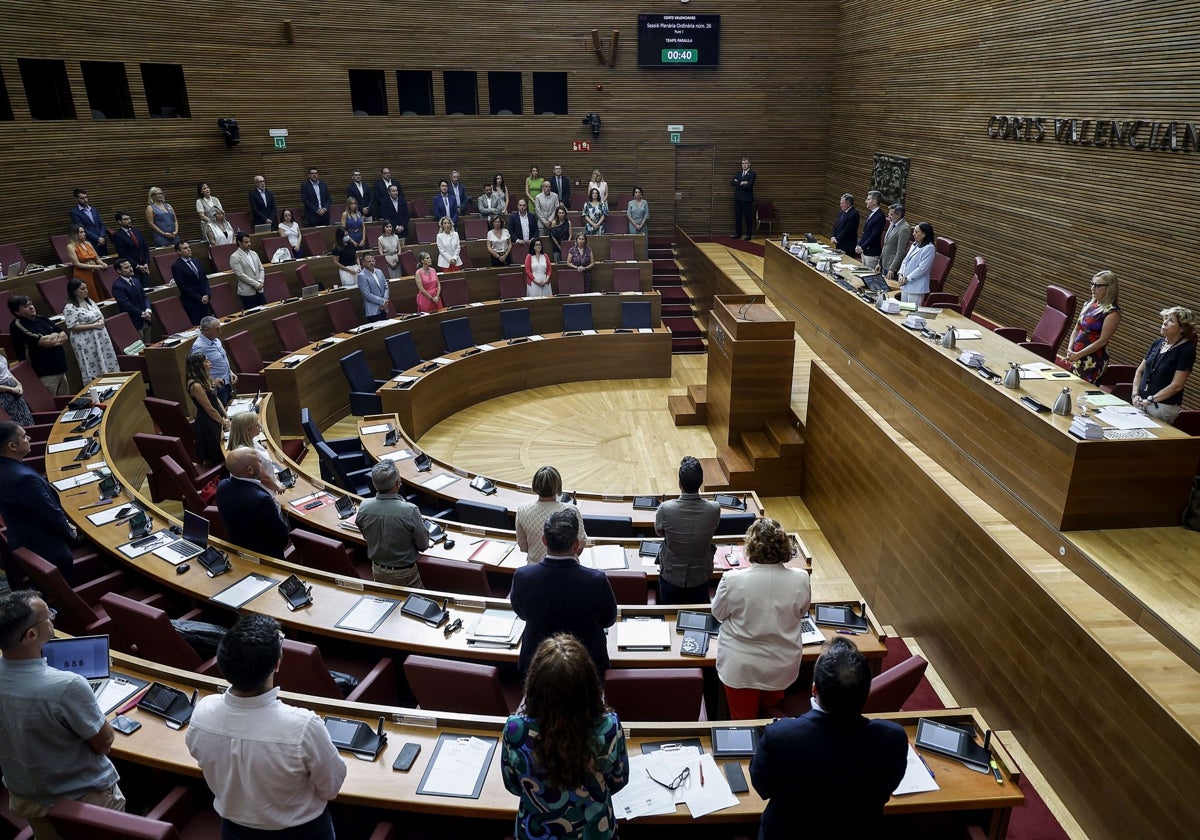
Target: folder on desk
pixel 604 557
pixel 458 766
pixel 499 629
pixel 492 552
pixel 643 633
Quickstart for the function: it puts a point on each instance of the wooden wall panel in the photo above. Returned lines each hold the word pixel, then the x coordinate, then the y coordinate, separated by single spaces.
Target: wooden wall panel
pixel 1039 212
pixel 240 66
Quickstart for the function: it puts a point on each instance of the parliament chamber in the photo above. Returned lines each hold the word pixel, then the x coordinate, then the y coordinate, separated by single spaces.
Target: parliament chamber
pixel 1044 577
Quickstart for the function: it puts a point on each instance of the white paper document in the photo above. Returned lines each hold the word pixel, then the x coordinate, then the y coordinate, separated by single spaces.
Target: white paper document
pixel 439 481
pixel 293 359
pixel 457 766
pixel 918 778
pixel 643 634
pixel 497 624
pixel 706 789
pixel 967 335
pixel 160 539
pixel 103 517
pixel 643 796
pixel 83 478
pixel 1125 417
pixel 367 613
pixel 398 455
pixel 244 591
pixel 604 557
pixel 376 429
pixel 67 446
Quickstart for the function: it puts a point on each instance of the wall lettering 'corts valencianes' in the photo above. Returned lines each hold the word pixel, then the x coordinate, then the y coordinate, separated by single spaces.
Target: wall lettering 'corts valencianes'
pixel 1142 134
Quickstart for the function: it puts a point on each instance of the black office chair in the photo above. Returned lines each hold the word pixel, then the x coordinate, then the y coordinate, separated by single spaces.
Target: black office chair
pixel 608 526
pixel 456 332
pixel 516 323
pixel 482 514
pixel 635 315
pixel 402 351
pixel 734 524
pixel 356 481
pixel 348 450
pixel 363 399
pixel 577 316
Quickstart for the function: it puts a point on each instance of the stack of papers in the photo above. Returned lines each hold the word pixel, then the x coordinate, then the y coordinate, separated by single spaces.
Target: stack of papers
pixel 496 629
pixel 604 557
pixel 1086 428
pixel 650 774
pixel 918 778
pixel 1121 417
pixel 643 634
pixel 971 358
pixel 492 552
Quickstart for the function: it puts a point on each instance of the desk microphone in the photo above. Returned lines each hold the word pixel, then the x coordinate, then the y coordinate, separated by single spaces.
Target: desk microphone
pixel 741 313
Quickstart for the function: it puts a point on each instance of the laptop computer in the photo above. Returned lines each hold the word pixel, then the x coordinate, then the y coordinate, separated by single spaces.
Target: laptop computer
pixel 809 634
pixel 14 269
pixel 264 228
pixel 309 291
pixel 191 544
pixel 86 656
pixel 875 282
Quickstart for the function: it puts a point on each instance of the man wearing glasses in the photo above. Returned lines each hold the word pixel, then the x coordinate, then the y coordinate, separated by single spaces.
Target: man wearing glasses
pixel 29 505
pixel 54 740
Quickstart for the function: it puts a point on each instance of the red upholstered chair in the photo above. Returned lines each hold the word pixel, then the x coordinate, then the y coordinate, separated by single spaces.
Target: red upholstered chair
pixel 570 282
pixel 455 576
pixel 169 419
pixel 626 279
pixel 520 250
pixel 223 300
pixel 177 817
pixel 45 406
pixel 1051 328
pixel 1123 390
pixel 655 693
pixel 420 207
pixel 621 203
pixel 58 241
pixel 219 255
pixel 465 259
pixel 171 314
pixel 328 555
pixel 304 276
pixel 964 305
pixel 314 243
pixel 154 637
pixel 248 361
pixel 629 586
pixel 122 334
pixel 424 231
pixel 765 214
pixel 891 689
pixel 578 199
pixel 10 253
pixel 271 244
pixel 943 260
pixel 408 263
pixel 512 284
pixel 371 233
pixel 454 291
pixel 443 685
pixel 474 228
pixel 108 279
pixel 275 287
pixel 153 447
pixel 240 220
pixel 163 263
pixel 54 293
pixel 6 317
pixel 303 670
pixel 1188 421
pixel 1115 375
pixel 79 610
pixel 342 317
pixel 621 249
pixel 290 331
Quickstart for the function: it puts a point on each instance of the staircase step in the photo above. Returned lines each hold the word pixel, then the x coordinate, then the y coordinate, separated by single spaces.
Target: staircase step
pixel 661 242
pixel 666 282
pixel 673 294
pixel 664 267
pixel 685 412
pixel 734 460
pixel 678 310
pixel 758 448
pixel 783 433
pixel 683 327
pixel 688 346
pixel 715 478
pixel 698 393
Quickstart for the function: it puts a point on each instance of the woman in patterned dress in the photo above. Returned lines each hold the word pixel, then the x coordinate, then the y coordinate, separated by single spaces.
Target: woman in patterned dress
pixel 89 339
pixel 1097 323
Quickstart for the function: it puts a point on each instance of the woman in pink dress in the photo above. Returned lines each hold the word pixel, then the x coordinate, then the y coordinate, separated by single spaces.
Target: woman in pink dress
pixel 429 287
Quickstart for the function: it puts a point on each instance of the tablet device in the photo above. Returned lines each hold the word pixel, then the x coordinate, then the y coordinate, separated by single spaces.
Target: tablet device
pixel 735 741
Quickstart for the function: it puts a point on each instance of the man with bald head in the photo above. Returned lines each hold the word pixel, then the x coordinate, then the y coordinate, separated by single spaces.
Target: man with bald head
pixel 248 509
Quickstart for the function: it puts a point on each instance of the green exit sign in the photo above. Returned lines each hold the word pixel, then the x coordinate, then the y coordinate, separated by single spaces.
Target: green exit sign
pixel 680 56
pixel 280 142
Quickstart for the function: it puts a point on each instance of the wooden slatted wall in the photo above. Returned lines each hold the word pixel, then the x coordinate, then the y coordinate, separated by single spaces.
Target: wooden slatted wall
pixel 237 64
pixel 922 83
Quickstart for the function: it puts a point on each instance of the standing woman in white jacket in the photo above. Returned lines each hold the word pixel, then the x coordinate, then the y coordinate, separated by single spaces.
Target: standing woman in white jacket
pixel 914 271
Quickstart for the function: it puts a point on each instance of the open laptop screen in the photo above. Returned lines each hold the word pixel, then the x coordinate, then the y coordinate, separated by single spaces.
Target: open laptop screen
pixel 195 529
pixel 83 655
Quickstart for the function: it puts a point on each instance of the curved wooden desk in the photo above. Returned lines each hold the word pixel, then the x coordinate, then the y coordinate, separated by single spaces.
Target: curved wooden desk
pixel 374 783
pixel 317 381
pixel 333 595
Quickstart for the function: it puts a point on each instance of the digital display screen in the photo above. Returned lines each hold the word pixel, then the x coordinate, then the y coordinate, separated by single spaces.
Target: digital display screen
pixel 685 41
pixel 939 737
pixel 735 740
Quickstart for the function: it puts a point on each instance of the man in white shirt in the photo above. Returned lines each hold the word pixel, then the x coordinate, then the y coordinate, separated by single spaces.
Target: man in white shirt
pixel 546 205
pixel 270 766
pixel 248 269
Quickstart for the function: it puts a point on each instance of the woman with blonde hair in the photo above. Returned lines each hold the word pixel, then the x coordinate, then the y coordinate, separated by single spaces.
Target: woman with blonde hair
pixel 564 751
pixel 531 517
pixel 598 183
pixel 244 429
pixel 760 607
pixel 1097 322
pixel 160 216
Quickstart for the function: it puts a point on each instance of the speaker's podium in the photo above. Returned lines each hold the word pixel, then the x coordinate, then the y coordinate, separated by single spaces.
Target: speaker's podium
pixel 746 402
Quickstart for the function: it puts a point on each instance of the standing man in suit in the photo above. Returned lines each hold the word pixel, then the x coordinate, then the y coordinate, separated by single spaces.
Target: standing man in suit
pixel 314 194
pixel 248 268
pixel 870 244
pixel 845 229
pixel 262 204
pixel 362 193
pixel 131 298
pixel 895 242
pixel 831 766
pixel 393 207
pixel 558 595
pixel 445 205
pixel 248 508
pixel 687 525
pixel 374 288
pixel 522 225
pixel 743 200
pixel 30 506
pixel 383 187
pixel 132 246
pixel 560 185
pixel 83 213
pixel 192 281
pixel 459 192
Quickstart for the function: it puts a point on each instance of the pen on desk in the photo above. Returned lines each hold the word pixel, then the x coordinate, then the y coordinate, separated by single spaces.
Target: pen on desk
pixel 996 772
pixel 701 774
pixel 927 767
pixel 851 632
pixel 478 541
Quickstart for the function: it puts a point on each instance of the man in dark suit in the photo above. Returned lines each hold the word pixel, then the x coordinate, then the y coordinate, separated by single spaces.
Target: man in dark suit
pixel 192 281
pixel 83 213
pixel 896 240
pixel 743 200
pixel 132 246
pixel 831 768
pixel 262 204
pixel 445 205
pixel 248 509
pixel 558 595
pixel 522 225
pixel 382 185
pixel 314 195
pixel 560 185
pixel 461 197
pixel 870 244
pixel 362 193
pixel 845 229
pixel 131 297
pixel 394 208
pixel 30 506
